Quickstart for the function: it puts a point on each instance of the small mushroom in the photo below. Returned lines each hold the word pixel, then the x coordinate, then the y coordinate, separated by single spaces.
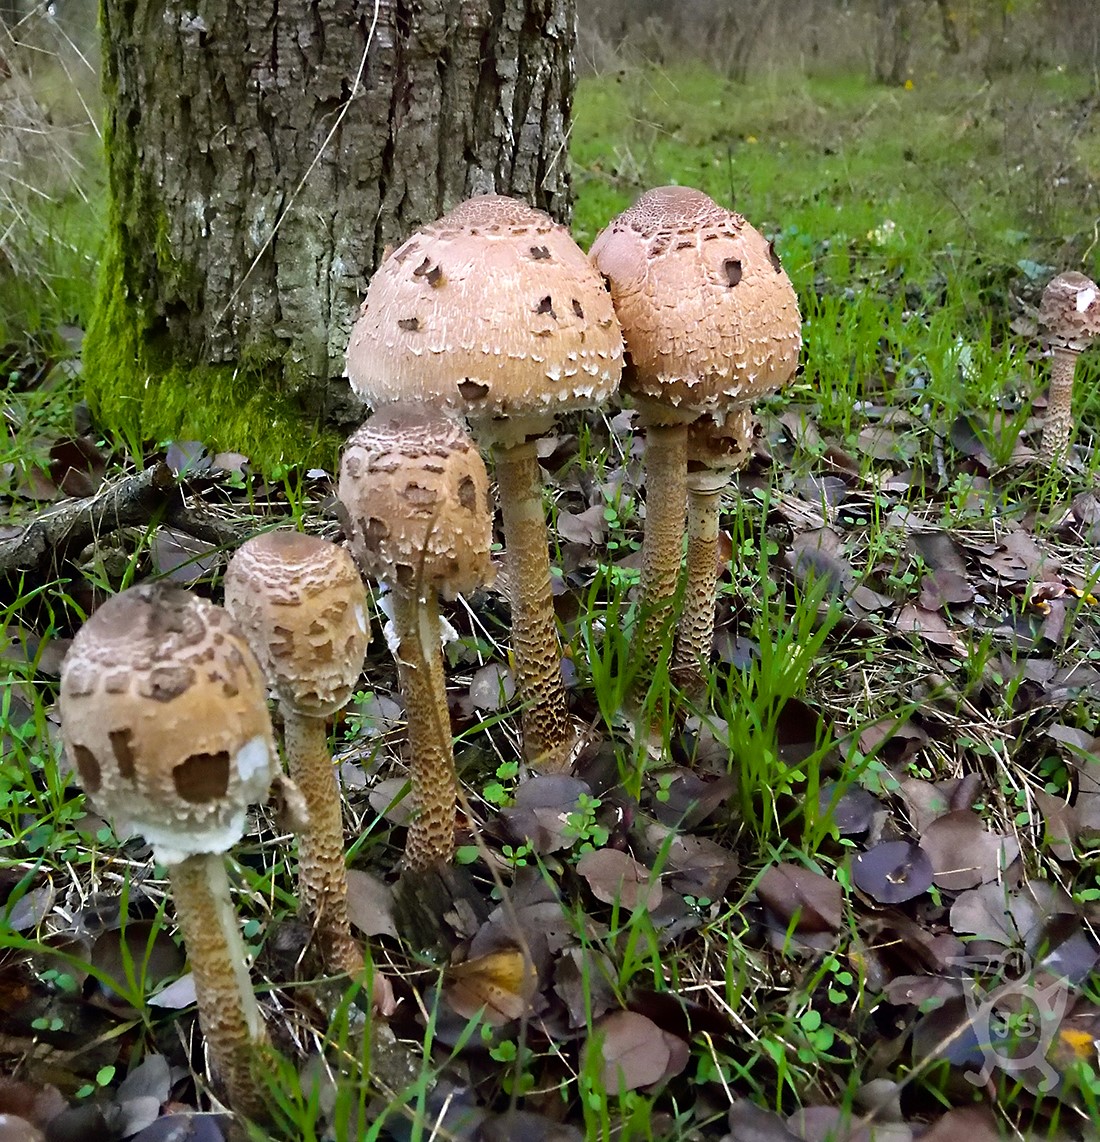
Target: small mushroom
pixel 164 714
pixel 416 494
pixel 714 452
pixel 1070 311
pixel 517 328
pixel 303 608
pixel 711 323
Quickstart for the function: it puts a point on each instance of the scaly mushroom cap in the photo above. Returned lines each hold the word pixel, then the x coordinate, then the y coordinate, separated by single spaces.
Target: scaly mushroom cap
pixel 303 608
pixel 1070 310
pixel 417 497
pixel 492 311
pixel 709 317
pixel 164 714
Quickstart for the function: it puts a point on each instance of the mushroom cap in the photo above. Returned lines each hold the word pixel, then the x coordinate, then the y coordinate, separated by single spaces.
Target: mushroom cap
pixel 492 311
pixel 1070 310
pixel 417 497
pixel 709 317
pixel 164 714
pixel 303 608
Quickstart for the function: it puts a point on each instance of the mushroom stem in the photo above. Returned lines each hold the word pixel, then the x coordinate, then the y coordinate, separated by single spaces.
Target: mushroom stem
pixel 695 633
pixel 662 543
pixel 322 874
pixel 1059 418
pixel 228 1013
pixel 431 753
pixel 547 734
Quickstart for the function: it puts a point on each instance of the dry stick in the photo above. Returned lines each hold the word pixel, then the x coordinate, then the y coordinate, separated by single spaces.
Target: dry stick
pixel 662 542
pixel 130 501
pixel 1059 418
pixel 431 756
pixel 695 634
pixel 321 876
pixel 547 732
pixel 228 1012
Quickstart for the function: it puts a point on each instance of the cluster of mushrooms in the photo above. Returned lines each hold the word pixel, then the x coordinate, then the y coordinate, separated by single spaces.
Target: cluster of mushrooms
pixel 492 317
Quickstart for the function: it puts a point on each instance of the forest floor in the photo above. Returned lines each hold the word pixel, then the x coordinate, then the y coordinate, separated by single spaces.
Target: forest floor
pixel 852 895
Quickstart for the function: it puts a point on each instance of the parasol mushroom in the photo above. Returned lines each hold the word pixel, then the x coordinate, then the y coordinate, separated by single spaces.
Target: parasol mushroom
pixel 494 313
pixel 1070 310
pixel 711 323
pixel 303 608
pixel 164 714
pixel 416 494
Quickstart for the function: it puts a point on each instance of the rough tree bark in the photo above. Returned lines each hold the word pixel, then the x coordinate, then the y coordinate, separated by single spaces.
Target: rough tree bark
pixel 254 186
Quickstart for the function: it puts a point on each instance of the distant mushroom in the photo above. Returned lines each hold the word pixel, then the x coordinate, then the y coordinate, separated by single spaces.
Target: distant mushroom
pixel 1070 311
pixel 711 323
pixel 303 608
pixel 164 714
pixel 714 452
pixel 416 494
pixel 493 312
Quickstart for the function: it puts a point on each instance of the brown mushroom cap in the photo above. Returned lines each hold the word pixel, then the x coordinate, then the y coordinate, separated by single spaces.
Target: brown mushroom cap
pixel 164 714
pixel 492 311
pixel 1070 310
pixel 303 607
pixel 709 317
pixel 417 496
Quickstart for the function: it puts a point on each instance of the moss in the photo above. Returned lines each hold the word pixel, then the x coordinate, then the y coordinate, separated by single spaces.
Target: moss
pixel 139 392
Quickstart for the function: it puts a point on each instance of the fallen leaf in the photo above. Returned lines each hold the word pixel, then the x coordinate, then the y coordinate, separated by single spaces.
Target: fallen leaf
pixel 370 904
pixel 794 893
pixel 614 877
pixel 498 985
pixel 964 852
pixel 636 1053
pixel 893 872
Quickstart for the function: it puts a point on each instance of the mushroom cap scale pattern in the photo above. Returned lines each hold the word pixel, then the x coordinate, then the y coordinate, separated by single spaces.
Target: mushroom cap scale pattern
pixel 1070 310
pixel 303 608
pixel 709 317
pixel 416 493
pixel 164 715
pixel 492 311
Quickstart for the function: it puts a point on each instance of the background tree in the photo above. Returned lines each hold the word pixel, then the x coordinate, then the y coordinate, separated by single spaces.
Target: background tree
pixel 261 158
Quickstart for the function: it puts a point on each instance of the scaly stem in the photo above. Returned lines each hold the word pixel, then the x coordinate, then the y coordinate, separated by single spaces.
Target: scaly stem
pixel 431 754
pixel 695 633
pixel 322 874
pixel 1059 418
pixel 228 1013
pixel 662 544
pixel 547 733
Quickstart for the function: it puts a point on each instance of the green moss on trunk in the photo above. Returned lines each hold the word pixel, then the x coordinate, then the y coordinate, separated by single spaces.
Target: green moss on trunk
pixel 138 391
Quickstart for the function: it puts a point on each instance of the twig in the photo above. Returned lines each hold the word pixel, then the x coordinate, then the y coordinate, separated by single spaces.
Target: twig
pixel 131 501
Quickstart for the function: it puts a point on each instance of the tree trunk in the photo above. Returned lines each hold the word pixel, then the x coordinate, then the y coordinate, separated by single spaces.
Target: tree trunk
pixel 261 157
pixel 893 41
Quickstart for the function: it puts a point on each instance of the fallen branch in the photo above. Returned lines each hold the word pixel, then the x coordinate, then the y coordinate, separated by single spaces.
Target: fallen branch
pixel 75 523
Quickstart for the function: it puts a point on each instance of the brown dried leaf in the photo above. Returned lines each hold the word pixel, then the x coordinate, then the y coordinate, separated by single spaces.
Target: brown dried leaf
pixel 500 985
pixel 615 877
pixel 931 626
pixel 492 687
pixel 944 588
pixel 635 1052
pixel 790 890
pixel 964 853
pixel 588 528
pixel 370 904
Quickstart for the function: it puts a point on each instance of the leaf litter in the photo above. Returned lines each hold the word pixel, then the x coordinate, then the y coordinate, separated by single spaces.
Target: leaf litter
pixel 946 909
